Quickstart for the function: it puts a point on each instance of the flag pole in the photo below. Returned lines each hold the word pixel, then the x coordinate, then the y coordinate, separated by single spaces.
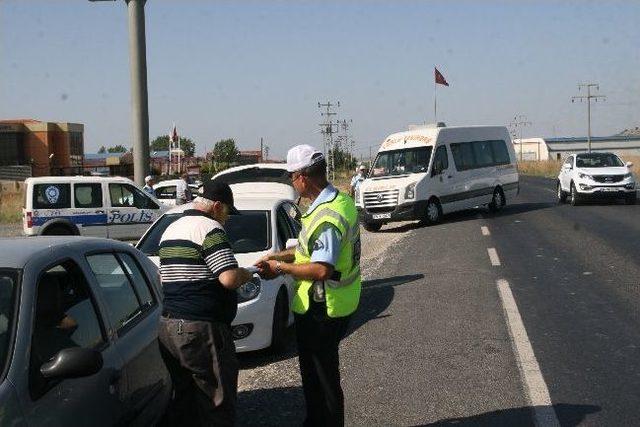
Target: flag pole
pixel 435 96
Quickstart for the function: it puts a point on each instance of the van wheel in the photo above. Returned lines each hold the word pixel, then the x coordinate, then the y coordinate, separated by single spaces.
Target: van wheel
pixel 575 198
pixel 433 214
pixel 372 226
pixel 280 320
pixel 562 195
pixel 57 230
pixel 497 201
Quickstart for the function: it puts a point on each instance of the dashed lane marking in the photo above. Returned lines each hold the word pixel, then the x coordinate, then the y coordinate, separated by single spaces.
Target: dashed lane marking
pixel 493 256
pixel 535 386
pixel 485 230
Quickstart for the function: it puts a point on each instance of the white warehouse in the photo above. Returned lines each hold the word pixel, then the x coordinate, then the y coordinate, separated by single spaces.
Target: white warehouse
pixel 534 149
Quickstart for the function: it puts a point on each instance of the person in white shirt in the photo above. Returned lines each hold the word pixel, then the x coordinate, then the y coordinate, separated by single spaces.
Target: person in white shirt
pixel 357 179
pixel 183 194
pixel 148 185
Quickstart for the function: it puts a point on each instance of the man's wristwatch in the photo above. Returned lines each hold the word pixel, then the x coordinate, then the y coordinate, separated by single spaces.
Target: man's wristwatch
pixel 278 269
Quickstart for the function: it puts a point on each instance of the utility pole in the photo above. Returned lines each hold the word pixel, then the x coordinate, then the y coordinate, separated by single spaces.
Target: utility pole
pixel 344 139
pixel 518 123
pixel 328 128
pixel 261 150
pixel 588 97
pixel 139 94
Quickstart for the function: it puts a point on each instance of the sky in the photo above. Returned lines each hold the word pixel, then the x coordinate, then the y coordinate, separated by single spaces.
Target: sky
pixel 251 69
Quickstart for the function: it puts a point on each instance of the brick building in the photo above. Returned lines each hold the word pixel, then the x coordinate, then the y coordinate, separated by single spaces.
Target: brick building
pixel 49 147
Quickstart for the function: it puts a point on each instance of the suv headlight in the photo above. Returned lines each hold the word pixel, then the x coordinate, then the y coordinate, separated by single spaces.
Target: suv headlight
pixel 249 290
pixel 584 176
pixel 410 192
pixel 627 175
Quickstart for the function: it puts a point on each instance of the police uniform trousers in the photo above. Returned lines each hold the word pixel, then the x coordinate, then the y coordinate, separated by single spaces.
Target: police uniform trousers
pixel 318 337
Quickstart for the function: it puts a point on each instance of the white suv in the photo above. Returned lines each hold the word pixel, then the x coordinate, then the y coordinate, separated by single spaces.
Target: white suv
pixel 596 175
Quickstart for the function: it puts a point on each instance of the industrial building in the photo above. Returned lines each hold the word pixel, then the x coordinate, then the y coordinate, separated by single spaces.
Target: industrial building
pixel 46 147
pixel 535 149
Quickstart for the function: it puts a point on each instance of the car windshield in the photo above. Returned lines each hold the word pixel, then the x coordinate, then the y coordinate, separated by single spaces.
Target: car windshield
pixel 248 232
pixel 399 162
pixel 598 160
pixel 8 286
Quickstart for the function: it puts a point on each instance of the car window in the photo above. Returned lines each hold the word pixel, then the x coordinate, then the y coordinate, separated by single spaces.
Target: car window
pixel 138 278
pixel 463 156
pixel 482 153
pixel 440 160
pixel 87 195
pixel 168 192
pixel 65 317
pixel 126 195
pixel 283 228
pixel 293 215
pixel 123 306
pixel 51 196
pixel 8 287
pixel 598 160
pixel 397 162
pixel 500 152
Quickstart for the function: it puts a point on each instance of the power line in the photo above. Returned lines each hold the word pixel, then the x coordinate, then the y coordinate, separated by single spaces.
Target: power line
pixel 328 128
pixel 518 123
pixel 588 97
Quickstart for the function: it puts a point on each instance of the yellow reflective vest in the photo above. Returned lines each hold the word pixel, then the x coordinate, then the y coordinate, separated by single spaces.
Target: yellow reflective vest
pixel 342 291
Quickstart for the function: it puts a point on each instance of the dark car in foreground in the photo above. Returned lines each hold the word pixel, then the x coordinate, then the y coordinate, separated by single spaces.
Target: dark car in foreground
pixel 78 334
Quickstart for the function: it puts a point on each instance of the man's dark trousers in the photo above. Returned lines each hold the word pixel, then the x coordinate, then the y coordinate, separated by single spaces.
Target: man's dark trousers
pixel 318 338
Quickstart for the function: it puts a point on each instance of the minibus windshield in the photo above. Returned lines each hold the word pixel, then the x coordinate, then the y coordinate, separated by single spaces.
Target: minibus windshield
pixel 400 162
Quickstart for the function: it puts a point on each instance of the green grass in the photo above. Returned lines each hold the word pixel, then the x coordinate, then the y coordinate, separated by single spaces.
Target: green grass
pixel 10 208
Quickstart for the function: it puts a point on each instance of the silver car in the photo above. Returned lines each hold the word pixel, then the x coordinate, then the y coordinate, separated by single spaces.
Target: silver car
pixel 78 334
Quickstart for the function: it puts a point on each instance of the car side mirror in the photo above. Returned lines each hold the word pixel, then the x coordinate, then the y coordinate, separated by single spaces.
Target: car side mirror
pixel 629 164
pixel 74 362
pixel 291 243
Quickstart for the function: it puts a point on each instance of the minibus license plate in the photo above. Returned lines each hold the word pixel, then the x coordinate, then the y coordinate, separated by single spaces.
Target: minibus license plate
pixel 609 189
pixel 382 216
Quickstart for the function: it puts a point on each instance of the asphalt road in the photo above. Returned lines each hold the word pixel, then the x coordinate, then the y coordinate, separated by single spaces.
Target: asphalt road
pixel 435 342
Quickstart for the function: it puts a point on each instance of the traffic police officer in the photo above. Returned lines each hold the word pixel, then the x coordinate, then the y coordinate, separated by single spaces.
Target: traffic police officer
pixel 326 266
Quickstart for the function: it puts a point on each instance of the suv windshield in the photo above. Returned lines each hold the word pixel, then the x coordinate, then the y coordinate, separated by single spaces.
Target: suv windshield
pixel 598 160
pixel 399 162
pixel 249 232
pixel 8 286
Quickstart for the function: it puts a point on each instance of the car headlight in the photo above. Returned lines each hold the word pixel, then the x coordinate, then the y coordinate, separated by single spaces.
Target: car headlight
pixel 249 290
pixel 584 176
pixel 627 175
pixel 356 194
pixel 410 192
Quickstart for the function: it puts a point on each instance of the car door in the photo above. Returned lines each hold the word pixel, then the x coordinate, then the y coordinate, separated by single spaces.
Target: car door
pixel 565 173
pixel 89 209
pixel 131 211
pixel 166 194
pixel 133 310
pixel 67 315
pixel 442 178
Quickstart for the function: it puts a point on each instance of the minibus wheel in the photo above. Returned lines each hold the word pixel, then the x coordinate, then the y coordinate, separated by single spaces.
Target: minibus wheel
pixel 433 213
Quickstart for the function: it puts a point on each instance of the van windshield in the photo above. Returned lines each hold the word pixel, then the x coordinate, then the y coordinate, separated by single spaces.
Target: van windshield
pixel 399 162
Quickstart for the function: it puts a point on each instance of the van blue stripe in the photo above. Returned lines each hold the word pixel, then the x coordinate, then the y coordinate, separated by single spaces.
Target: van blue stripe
pixel 92 219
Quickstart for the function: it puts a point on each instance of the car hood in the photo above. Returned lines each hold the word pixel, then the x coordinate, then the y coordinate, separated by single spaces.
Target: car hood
pixel 389 183
pixel 604 171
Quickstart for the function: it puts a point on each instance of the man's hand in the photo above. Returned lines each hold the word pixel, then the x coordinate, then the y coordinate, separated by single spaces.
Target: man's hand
pixel 267 269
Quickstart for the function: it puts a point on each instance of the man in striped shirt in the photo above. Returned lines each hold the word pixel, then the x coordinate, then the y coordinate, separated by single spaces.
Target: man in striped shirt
pixel 199 275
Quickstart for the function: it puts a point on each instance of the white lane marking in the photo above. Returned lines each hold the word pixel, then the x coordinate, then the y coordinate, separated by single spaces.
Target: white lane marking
pixel 493 256
pixel 485 230
pixel 534 383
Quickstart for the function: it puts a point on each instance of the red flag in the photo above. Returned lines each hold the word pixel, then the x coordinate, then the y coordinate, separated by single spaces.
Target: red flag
pixel 173 137
pixel 440 78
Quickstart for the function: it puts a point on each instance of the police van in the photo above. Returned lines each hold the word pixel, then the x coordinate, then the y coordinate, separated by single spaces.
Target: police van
pixel 432 170
pixel 112 207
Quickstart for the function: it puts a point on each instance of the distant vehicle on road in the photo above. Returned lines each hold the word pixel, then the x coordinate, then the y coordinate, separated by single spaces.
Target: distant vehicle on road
pixel 595 176
pixel 432 170
pixel 166 191
pixel 79 334
pixel 267 224
pixel 111 207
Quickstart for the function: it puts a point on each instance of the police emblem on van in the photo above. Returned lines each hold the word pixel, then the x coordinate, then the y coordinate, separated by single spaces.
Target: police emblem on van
pixel 53 194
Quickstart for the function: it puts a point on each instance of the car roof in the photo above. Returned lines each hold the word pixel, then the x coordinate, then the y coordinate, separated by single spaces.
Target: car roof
pixel 77 178
pixel 167 182
pixel 252 166
pixel 18 251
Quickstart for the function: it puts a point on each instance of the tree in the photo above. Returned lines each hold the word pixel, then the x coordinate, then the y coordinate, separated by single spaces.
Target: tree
pixel 102 150
pixel 224 153
pixel 117 149
pixel 161 143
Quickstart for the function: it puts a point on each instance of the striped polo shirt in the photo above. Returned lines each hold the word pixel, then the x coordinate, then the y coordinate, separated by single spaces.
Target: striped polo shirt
pixel 194 251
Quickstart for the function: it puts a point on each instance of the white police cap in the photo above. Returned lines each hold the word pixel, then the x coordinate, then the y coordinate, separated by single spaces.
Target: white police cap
pixel 302 156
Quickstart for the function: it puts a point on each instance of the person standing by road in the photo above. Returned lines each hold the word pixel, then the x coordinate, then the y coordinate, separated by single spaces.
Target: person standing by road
pixel 148 185
pixel 199 276
pixel 183 194
pixel 357 179
pixel 326 266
